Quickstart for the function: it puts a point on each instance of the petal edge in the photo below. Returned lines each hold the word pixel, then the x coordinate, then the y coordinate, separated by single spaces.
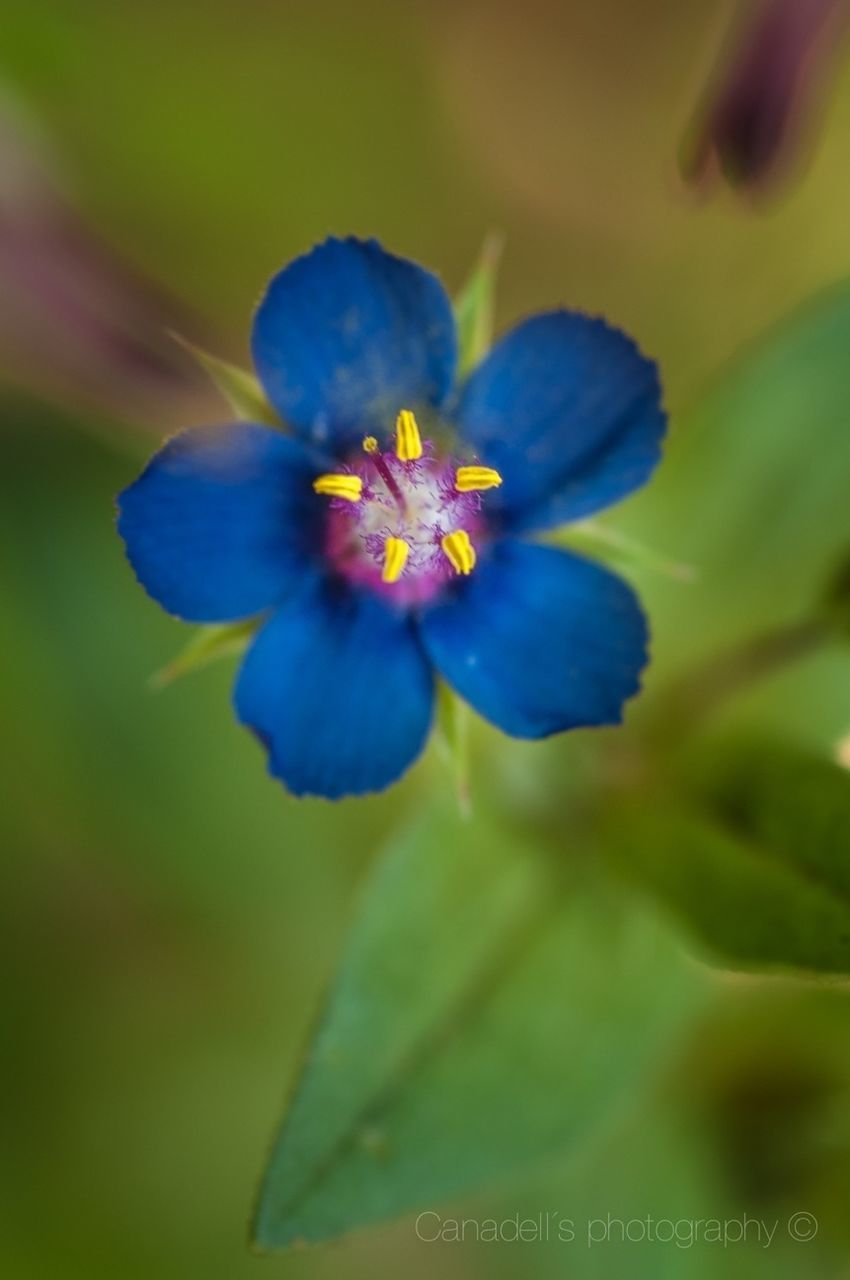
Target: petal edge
pixel 338 689
pixel 539 640
pixel 568 409
pixel 349 334
pixel 222 521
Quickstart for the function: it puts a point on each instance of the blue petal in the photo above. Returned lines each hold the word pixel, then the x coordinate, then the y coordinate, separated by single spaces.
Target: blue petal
pixel 569 411
pixel 220 523
pixel 539 641
pixel 337 687
pixel 348 335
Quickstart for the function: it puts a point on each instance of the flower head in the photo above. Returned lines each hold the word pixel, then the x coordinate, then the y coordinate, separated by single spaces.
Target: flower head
pixel 385 539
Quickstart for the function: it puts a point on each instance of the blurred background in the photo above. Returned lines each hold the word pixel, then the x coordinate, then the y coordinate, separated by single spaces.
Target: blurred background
pixel 169 916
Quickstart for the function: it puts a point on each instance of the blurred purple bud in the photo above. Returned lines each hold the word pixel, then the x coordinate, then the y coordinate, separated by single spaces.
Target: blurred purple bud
pixel 767 83
pixel 77 321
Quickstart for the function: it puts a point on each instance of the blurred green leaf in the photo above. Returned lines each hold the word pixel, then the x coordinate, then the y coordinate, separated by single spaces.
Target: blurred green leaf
pixel 207 644
pixel 755 1112
pixel 474 307
pixel 753 486
pixel 491 1007
pixel 652 1165
pixel 759 864
pixel 835 603
pixel 793 803
pixel 241 389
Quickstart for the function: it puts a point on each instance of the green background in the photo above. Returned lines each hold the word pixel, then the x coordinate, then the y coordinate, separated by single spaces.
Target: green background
pixel 169 917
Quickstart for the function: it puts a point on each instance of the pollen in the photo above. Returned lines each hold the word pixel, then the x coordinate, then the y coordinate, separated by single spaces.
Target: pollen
pixel 339 486
pixel 459 551
pixel 408 440
pixel 370 444
pixel 396 551
pixel 476 479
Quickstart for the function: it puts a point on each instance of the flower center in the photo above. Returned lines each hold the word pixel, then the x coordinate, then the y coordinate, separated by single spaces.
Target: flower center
pixel 403 521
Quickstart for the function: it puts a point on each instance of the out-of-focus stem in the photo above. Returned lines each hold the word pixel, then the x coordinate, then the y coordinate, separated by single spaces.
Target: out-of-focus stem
pixel 453 736
pixel 698 694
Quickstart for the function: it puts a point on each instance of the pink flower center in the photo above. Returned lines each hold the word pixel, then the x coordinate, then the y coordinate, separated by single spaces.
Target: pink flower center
pixel 414 502
pixel 405 521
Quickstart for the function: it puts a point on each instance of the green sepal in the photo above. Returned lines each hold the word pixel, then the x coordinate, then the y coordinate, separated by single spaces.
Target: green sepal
pixel 241 389
pixel 474 307
pixel 208 644
pixel 588 537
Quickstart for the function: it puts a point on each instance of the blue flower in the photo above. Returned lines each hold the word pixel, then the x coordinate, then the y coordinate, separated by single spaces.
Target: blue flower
pixel 384 540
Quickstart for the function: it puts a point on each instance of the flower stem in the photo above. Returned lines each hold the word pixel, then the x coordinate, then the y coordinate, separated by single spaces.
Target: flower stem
pixel 453 722
pixel 697 695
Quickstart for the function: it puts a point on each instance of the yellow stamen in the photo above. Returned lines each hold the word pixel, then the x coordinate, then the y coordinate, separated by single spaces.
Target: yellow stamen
pixel 472 479
pixel 459 551
pixel 395 558
pixel 408 445
pixel 370 444
pixel 339 486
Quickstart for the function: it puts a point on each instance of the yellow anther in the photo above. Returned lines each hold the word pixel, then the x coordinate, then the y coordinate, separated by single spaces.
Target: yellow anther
pixel 408 444
pixel 396 552
pixel 339 486
pixel 472 479
pixel 459 551
pixel 370 444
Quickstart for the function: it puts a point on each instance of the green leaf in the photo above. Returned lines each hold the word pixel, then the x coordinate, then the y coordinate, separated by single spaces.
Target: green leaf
pixel 753 486
pixel 756 1108
pixel 241 389
pixel 474 307
pixel 758 864
pixel 835 604
pixel 207 644
pixel 793 803
pixel 491 1007
pixel 654 1165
